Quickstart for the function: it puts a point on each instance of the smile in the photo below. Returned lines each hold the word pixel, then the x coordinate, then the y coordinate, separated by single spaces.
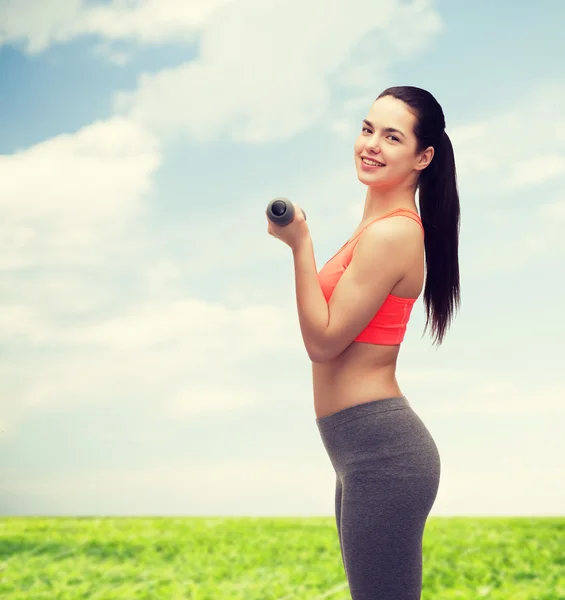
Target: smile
pixel 371 164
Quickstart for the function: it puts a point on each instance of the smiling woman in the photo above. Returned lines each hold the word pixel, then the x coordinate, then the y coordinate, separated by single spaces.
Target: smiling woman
pixel 353 317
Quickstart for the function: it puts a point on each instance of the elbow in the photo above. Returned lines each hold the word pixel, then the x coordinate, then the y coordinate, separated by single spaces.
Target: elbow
pixel 325 350
pixel 315 354
pixel 327 353
pixel 320 355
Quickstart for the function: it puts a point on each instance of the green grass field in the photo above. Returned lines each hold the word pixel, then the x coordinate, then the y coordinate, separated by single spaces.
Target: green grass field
pixel 200 558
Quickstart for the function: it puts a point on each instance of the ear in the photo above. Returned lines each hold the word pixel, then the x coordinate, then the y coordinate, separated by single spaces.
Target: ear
pixel 425 158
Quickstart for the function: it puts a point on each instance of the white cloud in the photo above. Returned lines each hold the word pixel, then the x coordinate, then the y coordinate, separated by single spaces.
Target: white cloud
pixel 64 199
pixel 116 57
pixel 498 397
pixel 514 489
pixel 187 353
pixel 204 326
pixel 253 487
pixel 19 323
pixel 193 400
pixel 553 211
pixel 41 24
pixel 148 21
pixel 520 148
pixel 535 170
pixel 544 237
pixel 38 24
pixel 278 80
pixel 502 163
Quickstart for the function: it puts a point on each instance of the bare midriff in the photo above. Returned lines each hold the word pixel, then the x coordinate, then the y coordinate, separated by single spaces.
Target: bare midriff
pixel 362 373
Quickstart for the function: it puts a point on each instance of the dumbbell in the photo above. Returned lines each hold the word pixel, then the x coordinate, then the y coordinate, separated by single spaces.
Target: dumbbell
pixel 281 211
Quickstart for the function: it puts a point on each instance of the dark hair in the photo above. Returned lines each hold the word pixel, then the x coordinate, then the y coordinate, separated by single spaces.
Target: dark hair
pixel 439 208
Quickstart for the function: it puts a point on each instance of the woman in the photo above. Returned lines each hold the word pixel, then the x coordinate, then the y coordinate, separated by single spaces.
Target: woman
pixel 353 316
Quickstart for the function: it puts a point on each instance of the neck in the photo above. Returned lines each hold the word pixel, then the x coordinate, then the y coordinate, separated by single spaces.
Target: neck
pixel 380 201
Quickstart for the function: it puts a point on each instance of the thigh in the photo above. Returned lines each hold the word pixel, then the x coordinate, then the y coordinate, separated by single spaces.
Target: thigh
pixel 381 534
pixel 338 498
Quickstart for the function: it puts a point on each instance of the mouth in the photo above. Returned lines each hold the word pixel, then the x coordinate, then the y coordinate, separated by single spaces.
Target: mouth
pixel 371 164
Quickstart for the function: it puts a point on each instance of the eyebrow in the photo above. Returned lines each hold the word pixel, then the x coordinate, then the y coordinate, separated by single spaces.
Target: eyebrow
pixel 386 129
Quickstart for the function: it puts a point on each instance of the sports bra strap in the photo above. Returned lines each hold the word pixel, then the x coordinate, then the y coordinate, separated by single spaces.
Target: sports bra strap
pixel 405 213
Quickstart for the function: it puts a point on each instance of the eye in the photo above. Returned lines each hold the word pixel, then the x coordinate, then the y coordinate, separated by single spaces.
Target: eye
pixel 366 129
pixel 394 138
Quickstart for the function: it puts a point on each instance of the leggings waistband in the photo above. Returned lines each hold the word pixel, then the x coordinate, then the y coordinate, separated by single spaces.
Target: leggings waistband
pixel 359 410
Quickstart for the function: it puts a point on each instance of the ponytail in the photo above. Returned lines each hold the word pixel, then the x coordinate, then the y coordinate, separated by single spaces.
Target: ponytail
pixel 439 208
pixel 440 213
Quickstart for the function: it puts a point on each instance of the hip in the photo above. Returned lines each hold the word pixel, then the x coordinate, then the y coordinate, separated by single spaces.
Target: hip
pixel 380 434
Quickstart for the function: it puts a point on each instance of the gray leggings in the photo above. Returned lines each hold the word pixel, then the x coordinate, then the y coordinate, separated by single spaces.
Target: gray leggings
pixel 387 476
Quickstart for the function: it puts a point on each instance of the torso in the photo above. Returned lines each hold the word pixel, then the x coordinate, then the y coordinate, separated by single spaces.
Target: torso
pixel 364 372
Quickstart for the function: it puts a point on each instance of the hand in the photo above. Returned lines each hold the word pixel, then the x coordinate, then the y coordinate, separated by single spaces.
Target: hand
pixel 294 233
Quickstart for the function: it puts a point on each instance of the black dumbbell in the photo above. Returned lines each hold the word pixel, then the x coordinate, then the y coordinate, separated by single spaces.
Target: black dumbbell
pixel 281 211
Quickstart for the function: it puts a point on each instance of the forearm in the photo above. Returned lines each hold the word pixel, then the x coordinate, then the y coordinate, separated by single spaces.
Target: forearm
pixel 313 312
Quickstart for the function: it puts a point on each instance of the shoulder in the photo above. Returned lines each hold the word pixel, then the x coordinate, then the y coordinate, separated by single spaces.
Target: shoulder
pixel 398 235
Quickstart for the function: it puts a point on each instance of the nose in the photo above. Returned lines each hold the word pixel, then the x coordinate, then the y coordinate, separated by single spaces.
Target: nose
pixel 372 145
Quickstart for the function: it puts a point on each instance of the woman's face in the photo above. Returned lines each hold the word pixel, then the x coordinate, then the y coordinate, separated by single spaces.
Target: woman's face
pixel 387 137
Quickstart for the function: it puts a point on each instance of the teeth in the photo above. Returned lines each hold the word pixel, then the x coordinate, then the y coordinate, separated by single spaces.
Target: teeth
pixel 372 162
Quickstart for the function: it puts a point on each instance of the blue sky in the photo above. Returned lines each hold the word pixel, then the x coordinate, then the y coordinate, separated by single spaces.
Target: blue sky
pixel 152 361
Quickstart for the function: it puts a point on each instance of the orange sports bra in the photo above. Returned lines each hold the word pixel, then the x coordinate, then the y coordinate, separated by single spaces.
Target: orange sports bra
pixel 388 326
